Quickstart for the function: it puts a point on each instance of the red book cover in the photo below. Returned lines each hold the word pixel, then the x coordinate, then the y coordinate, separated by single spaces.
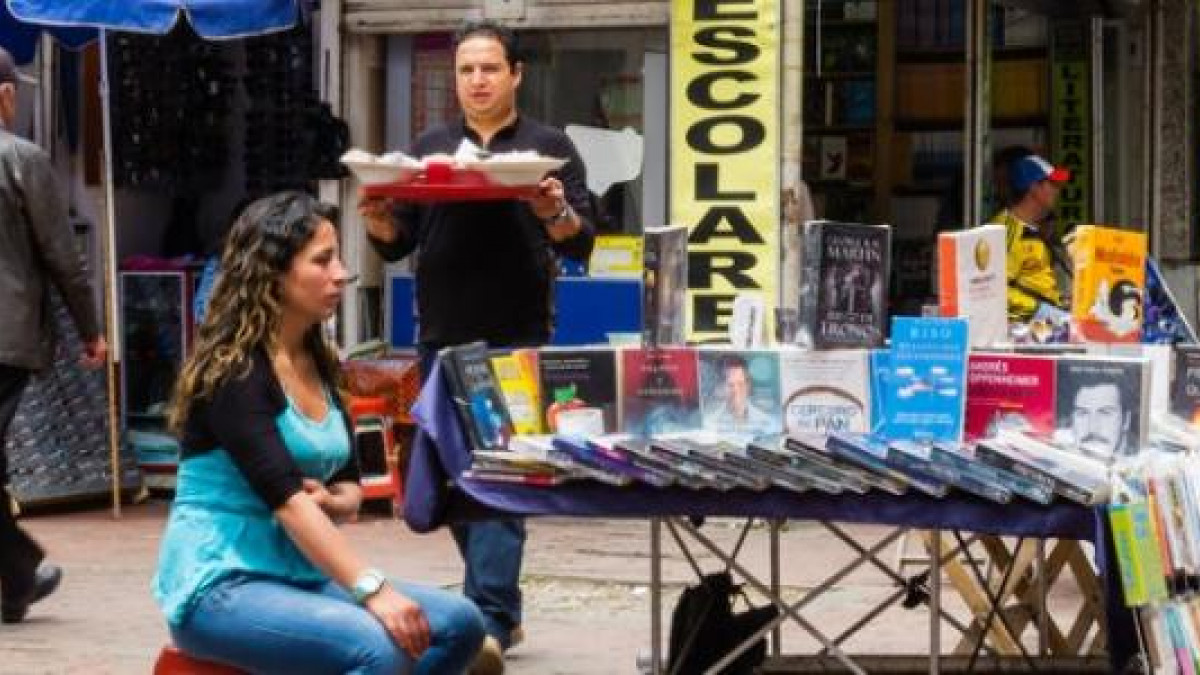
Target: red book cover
pixel 660 390
pixel 1010 391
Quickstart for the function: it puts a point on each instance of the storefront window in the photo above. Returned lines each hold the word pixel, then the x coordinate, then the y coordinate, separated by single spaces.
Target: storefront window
pixel 597 79
pixel 886 105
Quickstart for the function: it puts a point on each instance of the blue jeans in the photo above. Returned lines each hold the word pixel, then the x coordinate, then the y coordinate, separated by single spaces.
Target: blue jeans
pixel 266 626
pixel 491 551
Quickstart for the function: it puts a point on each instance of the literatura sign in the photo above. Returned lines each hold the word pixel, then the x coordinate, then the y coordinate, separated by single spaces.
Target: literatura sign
pixel 1071 119
pixel 725 154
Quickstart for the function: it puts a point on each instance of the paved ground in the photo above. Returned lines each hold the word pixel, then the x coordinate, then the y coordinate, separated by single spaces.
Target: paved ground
pixel 585 582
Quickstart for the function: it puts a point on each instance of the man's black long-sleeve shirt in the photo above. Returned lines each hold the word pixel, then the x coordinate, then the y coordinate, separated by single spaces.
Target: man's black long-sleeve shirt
pixel 485 269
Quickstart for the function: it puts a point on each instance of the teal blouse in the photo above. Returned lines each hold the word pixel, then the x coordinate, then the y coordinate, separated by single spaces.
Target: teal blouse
pixel 219 526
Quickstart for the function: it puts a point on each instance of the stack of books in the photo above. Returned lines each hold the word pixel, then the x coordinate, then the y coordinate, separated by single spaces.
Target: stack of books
pixel 1155 521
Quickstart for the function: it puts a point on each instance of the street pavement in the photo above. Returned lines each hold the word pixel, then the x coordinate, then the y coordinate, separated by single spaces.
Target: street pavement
pixel 585 580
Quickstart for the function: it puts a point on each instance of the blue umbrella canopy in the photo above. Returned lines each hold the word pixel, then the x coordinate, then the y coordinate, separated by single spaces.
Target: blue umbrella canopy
pixel 21 39
pixel 211 19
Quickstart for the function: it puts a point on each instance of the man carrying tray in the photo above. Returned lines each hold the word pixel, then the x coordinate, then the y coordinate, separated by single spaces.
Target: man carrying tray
pixel 485 270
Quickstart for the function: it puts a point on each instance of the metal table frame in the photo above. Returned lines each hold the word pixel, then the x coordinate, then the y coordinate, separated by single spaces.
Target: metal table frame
pixel 683 529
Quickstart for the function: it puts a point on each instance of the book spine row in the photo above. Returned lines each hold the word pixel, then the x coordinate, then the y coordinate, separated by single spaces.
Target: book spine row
pixel 583 452
pixel 982 488
pixel 1172 632
pixel 1064 489
pixel 1013 483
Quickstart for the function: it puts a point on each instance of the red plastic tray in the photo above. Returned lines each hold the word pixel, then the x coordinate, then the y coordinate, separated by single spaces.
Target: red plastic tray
pixel 456 186
pixel 447 192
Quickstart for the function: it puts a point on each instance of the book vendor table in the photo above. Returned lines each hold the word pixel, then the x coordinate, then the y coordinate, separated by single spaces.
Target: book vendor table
pixel 440 452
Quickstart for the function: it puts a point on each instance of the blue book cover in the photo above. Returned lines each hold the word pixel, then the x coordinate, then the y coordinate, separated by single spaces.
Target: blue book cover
pixel 858 102
pixel 925 390
pixel 1163 322
pixel 880 359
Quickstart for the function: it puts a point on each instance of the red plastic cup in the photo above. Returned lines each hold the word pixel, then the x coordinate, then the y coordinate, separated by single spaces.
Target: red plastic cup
pixel 438 172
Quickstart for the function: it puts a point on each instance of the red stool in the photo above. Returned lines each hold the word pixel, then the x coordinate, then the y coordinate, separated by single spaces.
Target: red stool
pixel 171 661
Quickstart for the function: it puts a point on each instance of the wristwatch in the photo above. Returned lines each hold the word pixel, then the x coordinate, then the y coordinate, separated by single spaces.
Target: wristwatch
pixel 367 584
pixel 563 214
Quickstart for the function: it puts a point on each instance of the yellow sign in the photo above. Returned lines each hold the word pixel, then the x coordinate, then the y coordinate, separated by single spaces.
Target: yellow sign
pixel 616 255
pixel 724 148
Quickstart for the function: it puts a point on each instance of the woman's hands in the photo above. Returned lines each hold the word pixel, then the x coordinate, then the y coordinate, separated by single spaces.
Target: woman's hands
pixel 339 503
pixel 403 619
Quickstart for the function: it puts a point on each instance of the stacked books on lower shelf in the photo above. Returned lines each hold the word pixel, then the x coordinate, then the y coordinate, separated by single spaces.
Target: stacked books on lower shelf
pixel 1155 521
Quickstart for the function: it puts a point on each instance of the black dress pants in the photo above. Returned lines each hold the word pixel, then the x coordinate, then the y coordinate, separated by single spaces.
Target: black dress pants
pixel 19 554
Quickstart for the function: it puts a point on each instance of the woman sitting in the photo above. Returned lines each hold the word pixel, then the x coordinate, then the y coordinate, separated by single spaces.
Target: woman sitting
pixel 253 572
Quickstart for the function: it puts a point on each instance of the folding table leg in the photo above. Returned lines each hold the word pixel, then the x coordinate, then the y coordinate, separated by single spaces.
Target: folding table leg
pixel 656 660
pixel 1043 614
pixel 1022 560
pixel 935 604
pixel 776 585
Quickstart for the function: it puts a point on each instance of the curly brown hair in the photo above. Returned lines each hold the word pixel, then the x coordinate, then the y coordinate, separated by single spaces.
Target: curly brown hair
pixel 244 309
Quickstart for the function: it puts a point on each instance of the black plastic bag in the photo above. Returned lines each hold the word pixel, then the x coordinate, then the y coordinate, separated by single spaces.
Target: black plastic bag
pixel 704 629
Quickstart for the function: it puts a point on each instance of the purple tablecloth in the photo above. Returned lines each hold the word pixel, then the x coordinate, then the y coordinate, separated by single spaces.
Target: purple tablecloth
pixel 440 451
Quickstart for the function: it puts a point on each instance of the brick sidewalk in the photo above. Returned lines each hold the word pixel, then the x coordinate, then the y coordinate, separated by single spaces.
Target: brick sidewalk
pixel 587 599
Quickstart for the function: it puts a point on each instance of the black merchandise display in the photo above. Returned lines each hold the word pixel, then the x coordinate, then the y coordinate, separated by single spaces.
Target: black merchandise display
pixel 58 442
pixel 174 105
pixel 292 138
pixel 171 99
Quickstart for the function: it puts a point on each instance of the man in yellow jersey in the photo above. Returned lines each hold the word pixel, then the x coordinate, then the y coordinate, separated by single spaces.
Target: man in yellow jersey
pixel 1034 184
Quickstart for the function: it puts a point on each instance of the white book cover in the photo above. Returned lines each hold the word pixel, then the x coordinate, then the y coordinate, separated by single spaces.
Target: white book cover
pixel 1160 358
pixel 972 282
pixel 825 391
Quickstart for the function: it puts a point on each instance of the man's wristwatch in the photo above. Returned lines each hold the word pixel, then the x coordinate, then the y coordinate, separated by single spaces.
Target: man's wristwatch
pixel 563 214
pixel 368 584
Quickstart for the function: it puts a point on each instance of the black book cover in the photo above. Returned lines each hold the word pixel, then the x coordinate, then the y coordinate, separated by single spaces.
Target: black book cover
pixel 664 285
pixel 577 379
pixel 844 285
pixel 477 395
pixel 1185 383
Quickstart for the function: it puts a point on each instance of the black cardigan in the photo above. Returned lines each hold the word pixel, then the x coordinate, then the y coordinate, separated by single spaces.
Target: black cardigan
pixel 240 417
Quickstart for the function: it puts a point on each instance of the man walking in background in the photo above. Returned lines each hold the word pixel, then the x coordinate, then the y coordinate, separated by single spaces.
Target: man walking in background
pixel 37 249
pixel 485 270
